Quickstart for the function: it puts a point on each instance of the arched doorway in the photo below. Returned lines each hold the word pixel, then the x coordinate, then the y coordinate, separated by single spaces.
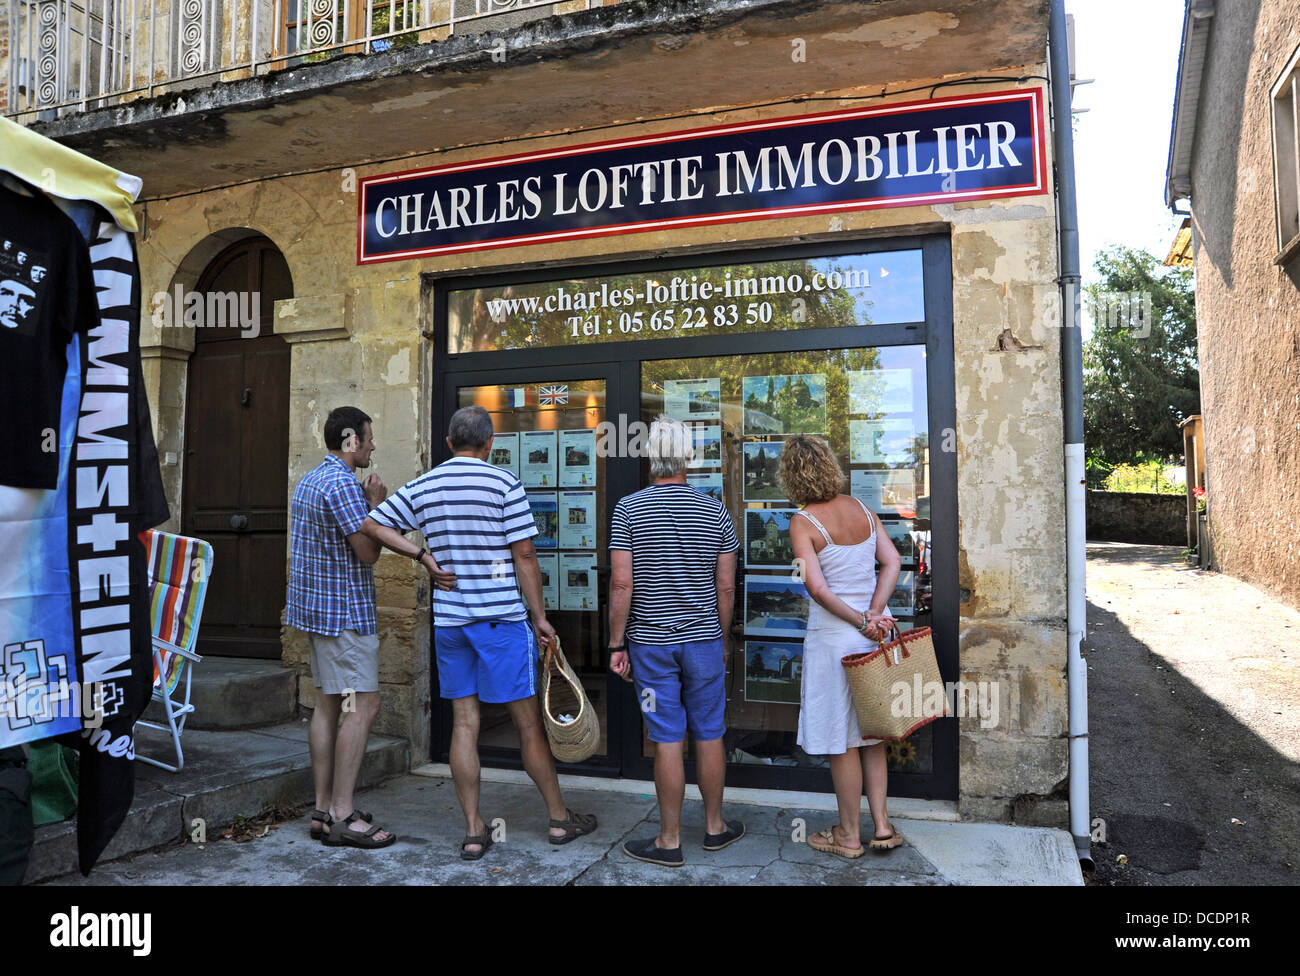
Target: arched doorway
pixel 237 445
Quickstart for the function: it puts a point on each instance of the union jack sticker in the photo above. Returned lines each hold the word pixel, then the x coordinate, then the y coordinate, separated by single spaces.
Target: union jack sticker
pixel 553 395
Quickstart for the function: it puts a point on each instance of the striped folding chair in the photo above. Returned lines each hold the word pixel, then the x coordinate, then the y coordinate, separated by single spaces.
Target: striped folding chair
pixel 179 569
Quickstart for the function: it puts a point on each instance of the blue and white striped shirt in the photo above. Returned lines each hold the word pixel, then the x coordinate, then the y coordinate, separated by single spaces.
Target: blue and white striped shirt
pixel 470 512
pixel 675 535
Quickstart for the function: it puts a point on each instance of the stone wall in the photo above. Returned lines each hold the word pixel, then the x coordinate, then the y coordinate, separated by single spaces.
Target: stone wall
pixel 1010 463
pixel 1157 520
pixel 1247 307
pixel 360 335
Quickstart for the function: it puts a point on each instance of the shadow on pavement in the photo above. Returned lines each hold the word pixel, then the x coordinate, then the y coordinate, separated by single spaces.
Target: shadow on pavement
pixel 1188 793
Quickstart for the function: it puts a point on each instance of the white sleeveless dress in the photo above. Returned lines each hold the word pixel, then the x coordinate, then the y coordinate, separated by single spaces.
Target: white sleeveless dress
pixel 828 723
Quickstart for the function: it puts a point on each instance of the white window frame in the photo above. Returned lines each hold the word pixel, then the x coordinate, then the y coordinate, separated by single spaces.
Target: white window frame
pixel 1285 113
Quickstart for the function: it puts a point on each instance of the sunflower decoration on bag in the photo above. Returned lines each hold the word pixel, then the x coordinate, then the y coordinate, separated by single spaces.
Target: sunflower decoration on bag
pixel 900 754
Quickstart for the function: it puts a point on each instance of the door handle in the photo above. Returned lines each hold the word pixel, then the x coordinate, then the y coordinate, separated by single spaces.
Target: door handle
pixel 239 522
pixel 604 568
pixel 246 397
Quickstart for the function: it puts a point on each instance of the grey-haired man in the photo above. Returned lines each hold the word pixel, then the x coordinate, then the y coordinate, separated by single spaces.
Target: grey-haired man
pixel 673 551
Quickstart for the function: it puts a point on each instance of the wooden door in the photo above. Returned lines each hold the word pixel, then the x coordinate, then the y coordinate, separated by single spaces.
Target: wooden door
pixel 237 451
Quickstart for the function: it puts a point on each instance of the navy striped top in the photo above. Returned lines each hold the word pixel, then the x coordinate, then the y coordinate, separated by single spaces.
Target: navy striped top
pixel 675 534
pixel 469 512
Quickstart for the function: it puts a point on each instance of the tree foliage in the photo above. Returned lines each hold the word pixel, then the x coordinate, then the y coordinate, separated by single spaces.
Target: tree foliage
pixel 1140 375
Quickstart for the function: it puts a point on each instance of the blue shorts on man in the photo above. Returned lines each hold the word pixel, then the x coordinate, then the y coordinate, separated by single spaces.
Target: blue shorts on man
pixel 687 689
pixel 493 659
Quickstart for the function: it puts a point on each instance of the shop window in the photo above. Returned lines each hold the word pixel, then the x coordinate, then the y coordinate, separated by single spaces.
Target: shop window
pixel 871 406
pixel 1286 158
pixel 746 351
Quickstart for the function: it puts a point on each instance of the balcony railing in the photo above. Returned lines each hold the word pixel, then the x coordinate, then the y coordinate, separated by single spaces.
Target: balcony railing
pixel 75 55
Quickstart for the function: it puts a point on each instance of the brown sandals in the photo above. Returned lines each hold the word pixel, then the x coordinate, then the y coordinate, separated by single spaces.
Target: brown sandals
pixel 888 843
pixel 824 841
pixel 318 833
pixel 344 836
pixel 483 840
pixel 575 826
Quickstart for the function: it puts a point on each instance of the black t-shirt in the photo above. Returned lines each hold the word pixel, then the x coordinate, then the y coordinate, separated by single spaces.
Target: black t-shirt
pixel 47 293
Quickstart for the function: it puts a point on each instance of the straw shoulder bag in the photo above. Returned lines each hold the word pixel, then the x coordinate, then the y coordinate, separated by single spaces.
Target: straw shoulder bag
pixel 886 711
pixel 562 694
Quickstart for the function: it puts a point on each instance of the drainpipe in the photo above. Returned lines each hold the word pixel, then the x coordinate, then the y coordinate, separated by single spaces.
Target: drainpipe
pixel 1072 397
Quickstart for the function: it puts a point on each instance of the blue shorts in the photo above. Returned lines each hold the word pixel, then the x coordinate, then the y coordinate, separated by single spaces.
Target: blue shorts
pixel 493 659
pixel 681 687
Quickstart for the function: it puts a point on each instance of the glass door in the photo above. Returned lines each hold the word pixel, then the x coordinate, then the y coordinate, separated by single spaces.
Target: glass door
pixel 547 429
pixel 870 404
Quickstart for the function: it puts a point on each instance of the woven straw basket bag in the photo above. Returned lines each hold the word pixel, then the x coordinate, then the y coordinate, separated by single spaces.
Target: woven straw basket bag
pixel 884 712
pixel 562 694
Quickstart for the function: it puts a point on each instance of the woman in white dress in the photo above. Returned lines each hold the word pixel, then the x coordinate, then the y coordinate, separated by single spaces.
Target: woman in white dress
pixel 837 542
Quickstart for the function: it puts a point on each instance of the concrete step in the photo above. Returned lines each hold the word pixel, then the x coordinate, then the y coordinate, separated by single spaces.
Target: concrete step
pixel 238 693
pixel 226 774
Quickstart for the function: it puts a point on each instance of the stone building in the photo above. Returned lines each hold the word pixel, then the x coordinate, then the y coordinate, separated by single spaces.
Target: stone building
pixel 868 186
pixel 1233 157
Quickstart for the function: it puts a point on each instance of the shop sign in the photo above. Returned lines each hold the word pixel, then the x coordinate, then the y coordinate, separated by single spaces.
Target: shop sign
pixel 942 150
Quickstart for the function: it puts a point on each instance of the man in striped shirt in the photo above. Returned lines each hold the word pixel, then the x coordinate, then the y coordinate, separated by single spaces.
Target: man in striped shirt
pixel 477 524
pixel 673 551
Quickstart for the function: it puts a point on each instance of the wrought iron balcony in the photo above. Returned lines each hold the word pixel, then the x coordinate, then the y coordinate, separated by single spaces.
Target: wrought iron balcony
pixel 74 55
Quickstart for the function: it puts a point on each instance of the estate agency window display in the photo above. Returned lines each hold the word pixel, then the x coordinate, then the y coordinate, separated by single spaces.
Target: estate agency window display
pixel 870 405
pixel 559 434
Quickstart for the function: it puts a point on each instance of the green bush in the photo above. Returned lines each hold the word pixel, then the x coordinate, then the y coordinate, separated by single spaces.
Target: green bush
pixel 1142 476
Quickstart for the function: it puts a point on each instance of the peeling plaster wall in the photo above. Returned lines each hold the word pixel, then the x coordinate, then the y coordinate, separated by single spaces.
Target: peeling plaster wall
pixel 1010 498
pixel 1247 308
pixel 356 338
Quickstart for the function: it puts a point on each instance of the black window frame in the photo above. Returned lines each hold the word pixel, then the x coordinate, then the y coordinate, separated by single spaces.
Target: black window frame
pixel 934 333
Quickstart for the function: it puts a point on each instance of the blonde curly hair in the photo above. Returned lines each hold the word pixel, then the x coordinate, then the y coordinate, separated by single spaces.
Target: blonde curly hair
pixel 809 471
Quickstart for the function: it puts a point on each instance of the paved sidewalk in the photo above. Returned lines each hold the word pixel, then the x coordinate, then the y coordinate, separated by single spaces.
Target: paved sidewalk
pixel 421 808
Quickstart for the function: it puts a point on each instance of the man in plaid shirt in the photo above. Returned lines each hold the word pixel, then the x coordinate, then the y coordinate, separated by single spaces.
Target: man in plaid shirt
pixel 332 599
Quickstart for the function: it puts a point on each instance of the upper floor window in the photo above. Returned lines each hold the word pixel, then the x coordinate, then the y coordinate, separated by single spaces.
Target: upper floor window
pixel 1286 158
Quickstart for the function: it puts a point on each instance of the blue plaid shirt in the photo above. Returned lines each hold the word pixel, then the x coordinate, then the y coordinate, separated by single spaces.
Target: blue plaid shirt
pixel 330 589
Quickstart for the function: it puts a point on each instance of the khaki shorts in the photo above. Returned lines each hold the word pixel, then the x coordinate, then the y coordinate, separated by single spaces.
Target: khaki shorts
pixel 348 662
